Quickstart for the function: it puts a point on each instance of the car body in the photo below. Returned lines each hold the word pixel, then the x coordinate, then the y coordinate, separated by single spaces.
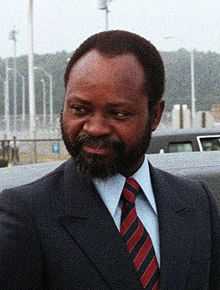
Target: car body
pixel 204 166
pixel 185 140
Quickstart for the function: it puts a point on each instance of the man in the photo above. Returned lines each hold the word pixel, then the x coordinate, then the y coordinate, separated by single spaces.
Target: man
pixel 107 219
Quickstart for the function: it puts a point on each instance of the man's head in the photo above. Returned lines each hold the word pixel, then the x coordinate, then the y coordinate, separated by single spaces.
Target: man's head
pixel 114 83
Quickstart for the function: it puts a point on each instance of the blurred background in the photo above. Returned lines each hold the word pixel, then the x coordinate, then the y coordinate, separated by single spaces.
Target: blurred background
pixel 38 37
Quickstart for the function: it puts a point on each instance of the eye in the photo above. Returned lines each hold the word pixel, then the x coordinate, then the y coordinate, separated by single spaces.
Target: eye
pixel 121 115
pixel 79 110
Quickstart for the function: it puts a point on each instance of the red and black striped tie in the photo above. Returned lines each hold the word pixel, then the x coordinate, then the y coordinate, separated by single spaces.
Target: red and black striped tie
pixel 138 241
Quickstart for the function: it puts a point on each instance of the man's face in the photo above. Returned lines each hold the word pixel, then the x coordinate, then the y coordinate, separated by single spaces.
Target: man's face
pixel 105 122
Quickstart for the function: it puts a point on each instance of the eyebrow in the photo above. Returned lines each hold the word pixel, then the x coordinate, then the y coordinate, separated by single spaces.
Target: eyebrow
pixel 77 99
pixel 74 98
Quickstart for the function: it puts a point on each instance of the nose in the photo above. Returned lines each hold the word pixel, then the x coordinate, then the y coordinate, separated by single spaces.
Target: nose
pixel 97 125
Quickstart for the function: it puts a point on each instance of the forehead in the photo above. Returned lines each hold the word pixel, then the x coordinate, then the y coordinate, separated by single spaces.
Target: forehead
pixel 95 67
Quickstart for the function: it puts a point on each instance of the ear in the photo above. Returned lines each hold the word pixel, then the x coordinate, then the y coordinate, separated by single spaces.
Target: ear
pixel 157 114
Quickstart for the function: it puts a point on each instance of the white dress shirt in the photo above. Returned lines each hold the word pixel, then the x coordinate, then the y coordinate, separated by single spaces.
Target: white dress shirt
pixel 110 191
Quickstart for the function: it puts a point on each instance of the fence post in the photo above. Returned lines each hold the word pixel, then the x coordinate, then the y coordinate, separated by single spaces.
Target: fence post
pixel 35 150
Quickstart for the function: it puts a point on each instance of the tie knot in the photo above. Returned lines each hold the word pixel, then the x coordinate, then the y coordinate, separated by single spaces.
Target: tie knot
pixel 130 190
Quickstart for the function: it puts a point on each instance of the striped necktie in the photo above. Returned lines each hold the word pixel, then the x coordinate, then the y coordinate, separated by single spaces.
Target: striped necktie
pixel 138 241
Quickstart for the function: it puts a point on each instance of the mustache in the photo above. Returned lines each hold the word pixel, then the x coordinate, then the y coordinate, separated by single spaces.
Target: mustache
pixel 98 142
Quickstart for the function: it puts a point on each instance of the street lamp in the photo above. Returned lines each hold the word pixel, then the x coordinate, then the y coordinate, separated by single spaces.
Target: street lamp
pixel 6 99
pixel 44 101
pixel 3 81
pixel 23 92
pixel 103 5
pixel 50 77
pixel 192 81
pixel 193 98
pixel 7 129
pixel 23 95
pixel 12 36
pixel 32 125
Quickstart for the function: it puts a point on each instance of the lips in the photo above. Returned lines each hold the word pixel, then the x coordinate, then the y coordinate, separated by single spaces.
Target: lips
pixel 96 150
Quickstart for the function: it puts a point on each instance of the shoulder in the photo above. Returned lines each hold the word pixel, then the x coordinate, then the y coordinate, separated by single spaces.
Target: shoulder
pixel 35 194
pixel 174 180
pixel 193 192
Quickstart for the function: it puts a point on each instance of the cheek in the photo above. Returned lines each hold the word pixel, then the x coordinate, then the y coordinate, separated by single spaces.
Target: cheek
pixel 132 133
pixel 72 127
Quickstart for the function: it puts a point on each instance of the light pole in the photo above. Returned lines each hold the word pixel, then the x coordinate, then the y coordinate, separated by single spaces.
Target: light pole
pixel 193 98
pixel 7 121
pixel 32 125
pixel 23 91
pixel 23 95
pixel 44 101
pixel 103 5
pixel 192 82
pixel 12 36
pixel 3 82
pixel 50 77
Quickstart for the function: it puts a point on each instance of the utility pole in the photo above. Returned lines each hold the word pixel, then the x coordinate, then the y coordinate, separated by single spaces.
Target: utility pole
pixel 13 37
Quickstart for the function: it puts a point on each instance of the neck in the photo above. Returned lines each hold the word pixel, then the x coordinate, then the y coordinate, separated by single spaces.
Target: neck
pixel 130 170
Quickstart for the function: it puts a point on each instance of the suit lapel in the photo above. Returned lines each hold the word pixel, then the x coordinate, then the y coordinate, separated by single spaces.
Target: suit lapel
pixel 91 226
pixel 175 229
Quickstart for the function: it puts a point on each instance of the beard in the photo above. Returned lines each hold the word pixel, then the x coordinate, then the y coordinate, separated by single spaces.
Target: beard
pixel 121 160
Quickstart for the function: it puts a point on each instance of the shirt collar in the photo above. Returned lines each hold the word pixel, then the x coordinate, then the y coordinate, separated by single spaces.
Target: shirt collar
pixel 110 189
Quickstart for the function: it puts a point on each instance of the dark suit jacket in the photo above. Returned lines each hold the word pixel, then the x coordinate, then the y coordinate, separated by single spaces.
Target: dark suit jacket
pixel 56 233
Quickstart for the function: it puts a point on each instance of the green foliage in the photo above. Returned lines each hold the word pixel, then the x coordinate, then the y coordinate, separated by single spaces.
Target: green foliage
pixel 178 78
pixel 177 66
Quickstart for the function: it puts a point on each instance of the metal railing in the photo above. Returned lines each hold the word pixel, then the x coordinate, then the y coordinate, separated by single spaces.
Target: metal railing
pixel 24 151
